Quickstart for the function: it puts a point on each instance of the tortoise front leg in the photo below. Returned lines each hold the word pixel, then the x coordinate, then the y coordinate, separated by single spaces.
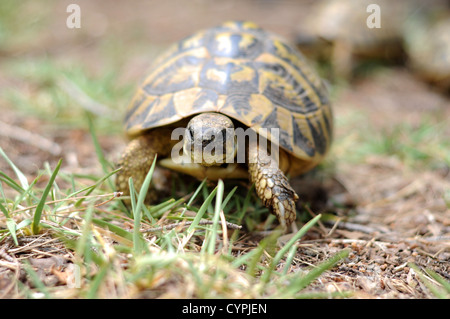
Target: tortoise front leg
pixel 272 185
pixel 137 159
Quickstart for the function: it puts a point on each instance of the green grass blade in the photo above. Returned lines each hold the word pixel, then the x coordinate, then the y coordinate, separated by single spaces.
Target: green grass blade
pixel 98 150
pixel 242 259
pixel 432 287
pixel 23 223
pixel 194 196
pixel 158 210
pixel 11 183
pixel 445 284
pixel 285 248
pixel 114 228
pixel 300 282
pixel 289 258
pixel 217 208
pixel 201 211
pixel 227 199
pixel 25 193
pixel 23 180
pixel 132 195
pixel 4 210
pixel 82 243
pixel 91 188
pixel 210 208
pixel 242 211
pixel 11 224
pixel 97 282
pixel 87 250
pixel 137 210
pixel 40 206
pixel 296 237
pixel 266 242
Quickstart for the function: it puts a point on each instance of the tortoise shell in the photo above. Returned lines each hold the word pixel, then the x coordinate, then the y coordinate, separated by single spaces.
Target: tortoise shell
pixel 427 43
pixel 246 73
pixel 347 21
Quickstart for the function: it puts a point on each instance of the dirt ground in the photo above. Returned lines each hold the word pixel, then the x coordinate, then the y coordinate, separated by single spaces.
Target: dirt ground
pixel 397 215
pixel 388 212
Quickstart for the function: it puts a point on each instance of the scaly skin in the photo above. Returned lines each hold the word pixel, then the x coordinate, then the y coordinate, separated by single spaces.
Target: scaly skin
pixel 272 185
pixel 137 159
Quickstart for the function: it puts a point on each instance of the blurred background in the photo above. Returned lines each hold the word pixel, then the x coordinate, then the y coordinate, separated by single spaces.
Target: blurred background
pixel 63 88
pixel 52 77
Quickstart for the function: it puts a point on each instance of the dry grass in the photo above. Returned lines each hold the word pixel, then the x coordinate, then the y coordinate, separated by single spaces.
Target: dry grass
pixel 384 191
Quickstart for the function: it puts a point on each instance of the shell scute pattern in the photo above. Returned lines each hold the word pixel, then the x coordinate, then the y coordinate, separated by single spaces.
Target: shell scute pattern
pixel 235 45
pixel 246 73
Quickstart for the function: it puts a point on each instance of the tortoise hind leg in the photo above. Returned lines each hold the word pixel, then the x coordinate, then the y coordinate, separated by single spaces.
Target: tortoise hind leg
pixel 272 185
pixel 137 159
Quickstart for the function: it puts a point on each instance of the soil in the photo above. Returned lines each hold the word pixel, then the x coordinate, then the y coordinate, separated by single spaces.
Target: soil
pixel 386 212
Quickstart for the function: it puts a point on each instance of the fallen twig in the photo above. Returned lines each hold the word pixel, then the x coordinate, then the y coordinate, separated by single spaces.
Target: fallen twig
pixel 354 227
pixel 186 224
pixel 30 138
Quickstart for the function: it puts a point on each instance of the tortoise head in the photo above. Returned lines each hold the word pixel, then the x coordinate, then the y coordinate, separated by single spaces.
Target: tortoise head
pixel 210 140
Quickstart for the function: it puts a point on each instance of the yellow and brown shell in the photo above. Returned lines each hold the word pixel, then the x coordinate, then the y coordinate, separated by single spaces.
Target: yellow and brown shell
pixel 246 73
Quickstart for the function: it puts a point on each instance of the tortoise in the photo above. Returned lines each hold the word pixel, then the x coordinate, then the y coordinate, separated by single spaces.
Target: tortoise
pixel 235 75
pixel 337 31
pixel 427 43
